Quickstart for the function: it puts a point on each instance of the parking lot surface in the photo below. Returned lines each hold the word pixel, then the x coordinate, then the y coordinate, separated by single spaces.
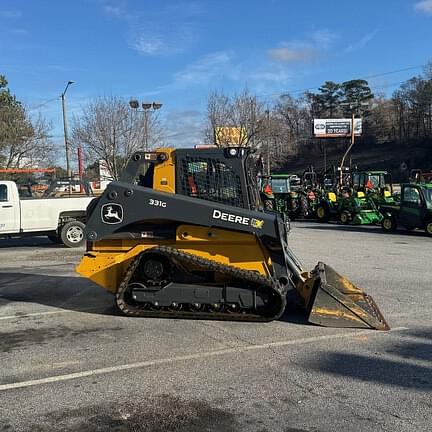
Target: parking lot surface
pixel 70 362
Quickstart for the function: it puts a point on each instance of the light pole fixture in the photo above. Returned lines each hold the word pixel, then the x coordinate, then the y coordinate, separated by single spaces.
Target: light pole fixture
pixel 146 107
pixel 65 128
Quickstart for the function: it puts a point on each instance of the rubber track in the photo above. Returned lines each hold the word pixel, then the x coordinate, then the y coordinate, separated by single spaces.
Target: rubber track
pixel 246 275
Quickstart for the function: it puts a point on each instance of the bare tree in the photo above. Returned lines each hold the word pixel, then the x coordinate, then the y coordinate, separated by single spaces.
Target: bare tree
pixel 29 150
pixel 110 131
pixel 242 112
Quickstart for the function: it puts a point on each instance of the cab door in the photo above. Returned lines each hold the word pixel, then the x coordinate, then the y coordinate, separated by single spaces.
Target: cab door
pixel 411 206
pixel 9 210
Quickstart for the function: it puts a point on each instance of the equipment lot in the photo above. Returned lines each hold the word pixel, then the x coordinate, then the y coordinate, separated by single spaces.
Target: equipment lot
pixel 69 362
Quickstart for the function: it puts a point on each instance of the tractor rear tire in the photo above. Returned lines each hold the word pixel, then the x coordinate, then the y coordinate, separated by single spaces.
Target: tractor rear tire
pixel 345 217
pixel 323 213
pixel 428 228
pixel 389 224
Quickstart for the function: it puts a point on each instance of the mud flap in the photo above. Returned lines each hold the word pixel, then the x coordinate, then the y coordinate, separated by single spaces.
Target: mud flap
pixel 339 303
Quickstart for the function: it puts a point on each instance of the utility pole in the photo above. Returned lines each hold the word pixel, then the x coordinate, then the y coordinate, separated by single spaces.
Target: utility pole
pixel 353 107
pixel 349 148
pixel 65 129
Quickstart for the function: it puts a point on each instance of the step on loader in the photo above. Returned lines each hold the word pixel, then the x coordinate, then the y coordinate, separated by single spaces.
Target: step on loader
pixel 183 235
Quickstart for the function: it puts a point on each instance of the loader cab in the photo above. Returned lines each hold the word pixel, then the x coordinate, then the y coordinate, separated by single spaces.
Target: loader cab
pixel 224 175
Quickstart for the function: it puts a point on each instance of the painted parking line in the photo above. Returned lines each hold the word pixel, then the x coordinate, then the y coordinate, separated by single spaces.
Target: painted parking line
pixel 144 364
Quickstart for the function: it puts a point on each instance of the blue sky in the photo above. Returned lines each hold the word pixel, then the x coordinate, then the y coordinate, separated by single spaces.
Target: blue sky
pixel 176 52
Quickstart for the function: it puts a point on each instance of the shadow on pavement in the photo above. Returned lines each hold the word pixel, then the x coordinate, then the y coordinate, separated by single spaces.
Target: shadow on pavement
pixel 78 294
pixel 39 242
pixel 395 372
pixel 64 292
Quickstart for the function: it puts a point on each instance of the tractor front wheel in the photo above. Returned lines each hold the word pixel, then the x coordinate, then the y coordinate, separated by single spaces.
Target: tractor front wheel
pixel 322 213
pixel 388 223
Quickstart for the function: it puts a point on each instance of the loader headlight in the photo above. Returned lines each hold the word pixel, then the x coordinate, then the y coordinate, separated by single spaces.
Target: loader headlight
pixel 232 152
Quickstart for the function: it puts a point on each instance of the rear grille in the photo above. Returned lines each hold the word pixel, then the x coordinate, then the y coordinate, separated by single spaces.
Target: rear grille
pixel 211 180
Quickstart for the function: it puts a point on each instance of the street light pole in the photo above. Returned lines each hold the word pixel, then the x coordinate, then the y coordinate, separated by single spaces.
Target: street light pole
pixel 65 128
pixel 146 107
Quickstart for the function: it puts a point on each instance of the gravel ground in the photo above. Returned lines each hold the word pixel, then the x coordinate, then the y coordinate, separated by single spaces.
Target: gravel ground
pixel 69 362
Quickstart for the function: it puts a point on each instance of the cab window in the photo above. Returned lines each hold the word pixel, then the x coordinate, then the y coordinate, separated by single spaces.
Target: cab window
pixel 3 193
pixel 411 195
pixel 279 185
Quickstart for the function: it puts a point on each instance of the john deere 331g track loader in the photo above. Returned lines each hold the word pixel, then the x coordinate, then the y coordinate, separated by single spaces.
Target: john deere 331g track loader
pixel 182 235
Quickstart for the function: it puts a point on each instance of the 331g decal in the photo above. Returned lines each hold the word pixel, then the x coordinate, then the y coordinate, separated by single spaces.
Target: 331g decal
pixel 157 203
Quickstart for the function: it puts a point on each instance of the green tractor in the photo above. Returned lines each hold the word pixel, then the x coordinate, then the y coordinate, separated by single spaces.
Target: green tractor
pixel 348 208
pixel 377 185
pixel 296 198
pixel 413 211
pixel 283 193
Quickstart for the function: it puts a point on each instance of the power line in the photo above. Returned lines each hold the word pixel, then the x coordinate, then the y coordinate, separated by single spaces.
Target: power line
pixel 43 104
pixel 364 77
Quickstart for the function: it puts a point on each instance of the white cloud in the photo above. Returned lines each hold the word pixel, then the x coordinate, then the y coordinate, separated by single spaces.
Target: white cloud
pixel 362 42
pixel 303 50
pixel 291 55
pixel 209 68
pixel 10 14
pixel 153 33
pixel 424 6
pixel 18 31
pixel 271 76
pixel 186 128
pixel 147 45
pixel 323 38
pixel 113 10
pixel 224 68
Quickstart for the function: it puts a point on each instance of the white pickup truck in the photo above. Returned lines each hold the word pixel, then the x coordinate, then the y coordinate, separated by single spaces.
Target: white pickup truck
pixel 60 219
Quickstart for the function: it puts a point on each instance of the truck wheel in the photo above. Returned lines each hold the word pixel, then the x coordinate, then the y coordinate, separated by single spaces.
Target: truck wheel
pixel 72 234
pixel 322 213
pixel 428 228
pixel 388 223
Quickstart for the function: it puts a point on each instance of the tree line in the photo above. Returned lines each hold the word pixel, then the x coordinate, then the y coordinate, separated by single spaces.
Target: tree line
pixel 108 130
pixel 24 141
pixel 286 124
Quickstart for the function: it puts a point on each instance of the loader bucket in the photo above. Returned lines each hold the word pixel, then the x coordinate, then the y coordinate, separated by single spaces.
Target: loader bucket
pixel 339 303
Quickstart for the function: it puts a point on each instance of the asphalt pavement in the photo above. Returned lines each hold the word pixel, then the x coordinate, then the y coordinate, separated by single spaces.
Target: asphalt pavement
pixel 70 362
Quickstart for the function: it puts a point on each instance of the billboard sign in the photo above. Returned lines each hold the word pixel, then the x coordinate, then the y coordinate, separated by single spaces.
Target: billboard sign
pixel 329 128
pixel 226 136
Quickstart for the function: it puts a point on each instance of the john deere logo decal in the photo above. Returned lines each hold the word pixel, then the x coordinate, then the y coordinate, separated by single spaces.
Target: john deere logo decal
pixel 257 223
pixel 112 213
pixel 237 219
